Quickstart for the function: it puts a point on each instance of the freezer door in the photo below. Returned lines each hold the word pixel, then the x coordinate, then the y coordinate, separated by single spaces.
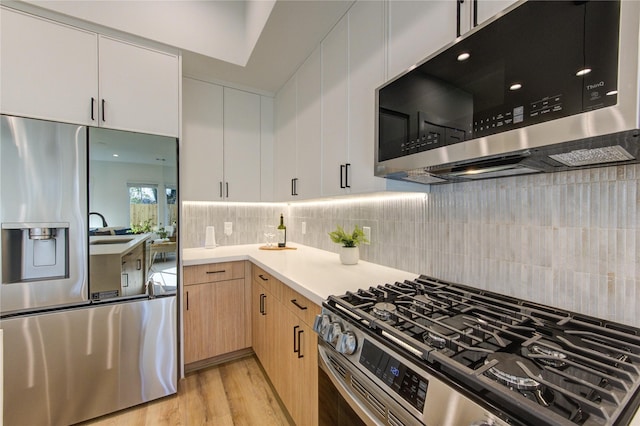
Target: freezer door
pixel 68 366
pixel 43 214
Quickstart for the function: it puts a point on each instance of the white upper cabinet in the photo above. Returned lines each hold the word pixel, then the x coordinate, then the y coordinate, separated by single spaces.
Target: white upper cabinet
pixel 49 70
pixel 202 141
pixel 489 8
pixel 58 72
pixel 309 128
pixel 139 88
pixel 335 116
pixel 221 142
pixel 285 169
pixel 366 73
pixel 267 140
pixel 417 29
pixel 241 145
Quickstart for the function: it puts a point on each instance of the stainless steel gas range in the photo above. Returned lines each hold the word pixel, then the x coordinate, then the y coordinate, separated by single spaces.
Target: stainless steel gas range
pixel 437 353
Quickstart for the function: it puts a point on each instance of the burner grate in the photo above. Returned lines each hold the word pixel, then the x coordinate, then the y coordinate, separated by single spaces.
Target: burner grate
pixel 582 369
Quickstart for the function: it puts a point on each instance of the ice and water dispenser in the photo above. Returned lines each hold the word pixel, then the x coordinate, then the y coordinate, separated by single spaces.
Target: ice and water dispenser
pixel 35 251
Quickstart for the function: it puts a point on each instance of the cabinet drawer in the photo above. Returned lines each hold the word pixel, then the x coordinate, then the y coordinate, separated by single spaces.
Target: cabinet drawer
pixel 304 308
pixel 266 280
pixel 213 272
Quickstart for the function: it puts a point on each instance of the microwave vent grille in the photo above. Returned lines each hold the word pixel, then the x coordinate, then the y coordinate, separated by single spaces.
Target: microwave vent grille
pixel 587 157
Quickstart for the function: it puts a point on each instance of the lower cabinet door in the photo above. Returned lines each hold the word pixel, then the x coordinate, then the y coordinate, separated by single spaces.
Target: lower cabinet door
pixel 214 320
pixel 198 322
pixel 300 390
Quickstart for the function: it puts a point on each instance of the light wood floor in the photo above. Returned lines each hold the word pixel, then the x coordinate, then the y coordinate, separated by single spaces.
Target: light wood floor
pixel 234 393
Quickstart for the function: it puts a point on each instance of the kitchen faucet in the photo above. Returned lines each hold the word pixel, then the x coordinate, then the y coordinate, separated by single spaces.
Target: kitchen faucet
pixel 104 221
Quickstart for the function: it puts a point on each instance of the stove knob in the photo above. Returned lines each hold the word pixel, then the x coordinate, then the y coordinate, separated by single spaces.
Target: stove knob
pixel 321 324
pixel 333 333
pixel 348 343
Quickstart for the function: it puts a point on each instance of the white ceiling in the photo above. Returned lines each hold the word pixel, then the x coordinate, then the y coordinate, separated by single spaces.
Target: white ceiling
pixel 253 44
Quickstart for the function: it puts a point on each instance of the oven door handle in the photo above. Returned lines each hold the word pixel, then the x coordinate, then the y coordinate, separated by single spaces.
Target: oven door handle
pixel 354 402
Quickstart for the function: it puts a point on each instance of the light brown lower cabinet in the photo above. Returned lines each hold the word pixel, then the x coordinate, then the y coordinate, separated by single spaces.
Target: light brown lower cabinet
pixel 286 344
pixel 214 312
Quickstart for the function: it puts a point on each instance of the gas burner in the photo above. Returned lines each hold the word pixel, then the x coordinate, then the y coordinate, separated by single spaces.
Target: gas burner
pixel 508 371
pixel 384 310
pixel 434 340
pixel 553 357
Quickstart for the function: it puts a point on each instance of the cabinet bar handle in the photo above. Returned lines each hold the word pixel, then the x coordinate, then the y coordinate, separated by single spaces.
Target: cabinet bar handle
pixel 227 188
pixel 458 12
pixel 93 102
pixel 295 302
pixel 103 102
pixel 475 13
pixel 300 343
pixel 220 189
pixel 139 266
pixel 263 278
pixel 217 272
pixel 295 341
pixel 262 297
pixel 342 167
pixel 187 300
pixel 346 175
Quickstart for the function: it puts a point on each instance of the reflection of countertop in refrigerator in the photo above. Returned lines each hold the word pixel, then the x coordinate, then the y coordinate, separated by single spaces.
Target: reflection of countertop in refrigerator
pixel 116 248
pixel 312 272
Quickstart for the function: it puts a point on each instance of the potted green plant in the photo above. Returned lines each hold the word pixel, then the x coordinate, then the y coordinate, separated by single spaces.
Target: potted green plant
pixel 349 252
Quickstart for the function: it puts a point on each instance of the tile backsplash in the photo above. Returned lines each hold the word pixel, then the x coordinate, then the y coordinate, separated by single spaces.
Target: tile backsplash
pixel 568 239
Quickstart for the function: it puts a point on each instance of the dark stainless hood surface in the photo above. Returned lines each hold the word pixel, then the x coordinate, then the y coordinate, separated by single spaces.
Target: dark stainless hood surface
pixel 429 119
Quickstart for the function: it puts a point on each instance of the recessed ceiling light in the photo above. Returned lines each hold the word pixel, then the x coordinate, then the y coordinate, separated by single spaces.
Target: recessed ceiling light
pixel 464 56
pixel 515 86
pixel 611 93
pixel 116 155
pixel 584 71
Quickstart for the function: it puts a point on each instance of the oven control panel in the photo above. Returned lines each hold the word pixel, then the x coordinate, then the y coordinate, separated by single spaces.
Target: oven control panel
pixel 401 379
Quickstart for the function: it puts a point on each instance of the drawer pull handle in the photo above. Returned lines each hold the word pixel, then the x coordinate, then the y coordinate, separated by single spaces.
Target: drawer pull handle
pixel 295 302
pixel 263 278
pixel 216 272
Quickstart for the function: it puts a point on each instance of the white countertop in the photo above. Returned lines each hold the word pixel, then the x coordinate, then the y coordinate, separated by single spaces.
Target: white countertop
pixel 118 249
pixel 314 273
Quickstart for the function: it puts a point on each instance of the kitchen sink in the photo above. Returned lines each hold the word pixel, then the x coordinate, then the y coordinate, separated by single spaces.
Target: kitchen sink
pixel 111 241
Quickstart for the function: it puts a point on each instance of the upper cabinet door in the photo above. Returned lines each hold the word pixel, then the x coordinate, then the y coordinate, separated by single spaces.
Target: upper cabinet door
pixel 416 30
pixel 335 118
pixel 489 8
pixel 202 141
pixel 241 145
pixel 49 70
pixel 309 128
pixel 139 88
pixel 285 148
pixel 366 73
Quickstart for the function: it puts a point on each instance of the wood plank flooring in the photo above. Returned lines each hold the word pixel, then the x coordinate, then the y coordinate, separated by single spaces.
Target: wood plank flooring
pixel 233 393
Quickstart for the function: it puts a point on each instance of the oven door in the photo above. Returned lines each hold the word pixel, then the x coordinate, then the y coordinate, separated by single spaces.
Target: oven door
pixel 347 397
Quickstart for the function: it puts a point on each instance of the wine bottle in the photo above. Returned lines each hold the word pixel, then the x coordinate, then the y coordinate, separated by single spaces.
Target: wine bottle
pixel 282 233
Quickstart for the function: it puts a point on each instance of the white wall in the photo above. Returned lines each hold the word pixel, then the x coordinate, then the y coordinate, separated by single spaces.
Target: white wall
pixel 108 190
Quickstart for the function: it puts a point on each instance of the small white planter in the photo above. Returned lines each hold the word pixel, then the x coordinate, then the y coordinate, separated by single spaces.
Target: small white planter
pixel 349 255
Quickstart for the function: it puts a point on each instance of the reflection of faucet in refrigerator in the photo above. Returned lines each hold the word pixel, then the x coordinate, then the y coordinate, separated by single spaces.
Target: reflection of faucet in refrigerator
pixel 104 221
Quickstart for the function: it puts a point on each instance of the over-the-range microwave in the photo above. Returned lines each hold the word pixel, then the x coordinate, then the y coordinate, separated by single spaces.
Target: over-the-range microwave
pixel 544 86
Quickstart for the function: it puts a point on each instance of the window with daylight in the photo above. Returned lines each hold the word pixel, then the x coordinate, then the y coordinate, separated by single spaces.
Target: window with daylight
pixel 172 205
pixel 143 204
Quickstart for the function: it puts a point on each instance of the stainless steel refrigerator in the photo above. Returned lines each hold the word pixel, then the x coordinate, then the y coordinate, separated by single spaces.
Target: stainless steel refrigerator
pixel 67 358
